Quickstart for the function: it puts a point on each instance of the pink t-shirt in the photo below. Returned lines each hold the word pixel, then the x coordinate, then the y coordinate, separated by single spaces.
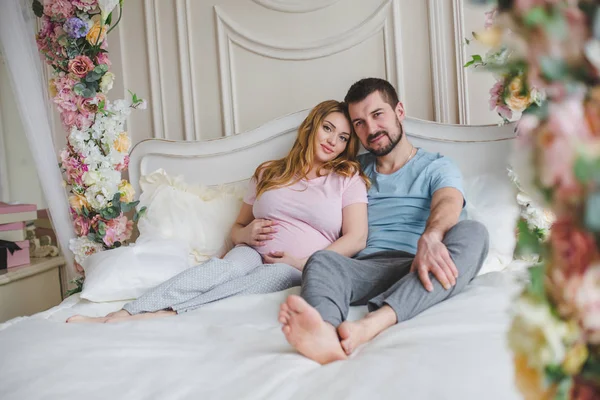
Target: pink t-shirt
pixel 309 213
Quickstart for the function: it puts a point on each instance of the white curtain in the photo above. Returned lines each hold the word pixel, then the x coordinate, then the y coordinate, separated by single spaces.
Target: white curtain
pixel 17 44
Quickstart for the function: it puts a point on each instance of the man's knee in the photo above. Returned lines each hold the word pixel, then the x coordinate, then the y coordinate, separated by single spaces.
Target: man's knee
pixel 322 261
pixel 471 232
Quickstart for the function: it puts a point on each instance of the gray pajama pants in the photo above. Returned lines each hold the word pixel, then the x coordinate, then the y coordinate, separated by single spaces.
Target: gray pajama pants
pixel 332 282
pixel 241 271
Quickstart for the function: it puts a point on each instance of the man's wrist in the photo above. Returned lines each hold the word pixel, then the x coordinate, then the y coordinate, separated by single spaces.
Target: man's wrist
pixel 433 234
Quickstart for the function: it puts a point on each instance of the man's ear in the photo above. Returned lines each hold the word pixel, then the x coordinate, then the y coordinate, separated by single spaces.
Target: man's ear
pixel 399 110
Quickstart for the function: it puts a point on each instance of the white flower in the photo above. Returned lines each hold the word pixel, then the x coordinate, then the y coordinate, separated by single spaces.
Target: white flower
pixel 91 177
pixel 83 247
pixel 106 83
pixel 538 334
pixel 100 194
pixel 107 6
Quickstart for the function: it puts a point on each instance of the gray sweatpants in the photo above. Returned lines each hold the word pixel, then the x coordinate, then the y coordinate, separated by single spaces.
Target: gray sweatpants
pixel 241 271
pixel 332 282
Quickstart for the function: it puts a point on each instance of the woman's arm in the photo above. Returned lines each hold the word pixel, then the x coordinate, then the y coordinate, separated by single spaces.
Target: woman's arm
pixel 251 231
pixel 355 228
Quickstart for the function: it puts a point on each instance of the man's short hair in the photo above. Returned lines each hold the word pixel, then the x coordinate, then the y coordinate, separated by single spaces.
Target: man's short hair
pixel 363 88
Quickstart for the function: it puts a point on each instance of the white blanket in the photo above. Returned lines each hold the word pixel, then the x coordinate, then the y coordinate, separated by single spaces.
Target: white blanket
pixel 234 349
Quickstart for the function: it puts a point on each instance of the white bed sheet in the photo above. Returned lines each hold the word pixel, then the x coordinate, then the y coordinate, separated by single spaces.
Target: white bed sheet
pixel 234 349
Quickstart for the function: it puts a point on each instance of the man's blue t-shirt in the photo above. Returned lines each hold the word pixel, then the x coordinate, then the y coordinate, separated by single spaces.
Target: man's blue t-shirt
pixel 400 203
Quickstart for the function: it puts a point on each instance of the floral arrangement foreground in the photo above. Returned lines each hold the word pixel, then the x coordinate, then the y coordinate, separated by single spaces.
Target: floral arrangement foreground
pixel 73 41
pixel 548 64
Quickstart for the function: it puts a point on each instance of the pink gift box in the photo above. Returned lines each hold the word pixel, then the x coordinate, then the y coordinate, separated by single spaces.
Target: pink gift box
pixel 12 227
pixel 19 257
pixel 6 208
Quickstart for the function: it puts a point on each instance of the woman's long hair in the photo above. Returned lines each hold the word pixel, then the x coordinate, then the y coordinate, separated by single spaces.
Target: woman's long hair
pixel 297 164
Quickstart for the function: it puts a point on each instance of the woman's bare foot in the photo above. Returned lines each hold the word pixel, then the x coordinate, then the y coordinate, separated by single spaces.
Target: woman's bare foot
pixel 308 333
pixel 353 334
pixel 98 320
pixel 119 316
pixel 149 315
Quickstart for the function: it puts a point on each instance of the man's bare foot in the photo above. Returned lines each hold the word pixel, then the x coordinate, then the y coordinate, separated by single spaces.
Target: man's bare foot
pixel 308 333
pixel 353 334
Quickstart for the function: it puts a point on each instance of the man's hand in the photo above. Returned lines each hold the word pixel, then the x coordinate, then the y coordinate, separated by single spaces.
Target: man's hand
pixel 432 256
pixel 284 258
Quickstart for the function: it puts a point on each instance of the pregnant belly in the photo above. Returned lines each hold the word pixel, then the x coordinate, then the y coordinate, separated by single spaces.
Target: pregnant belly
pixel 294 241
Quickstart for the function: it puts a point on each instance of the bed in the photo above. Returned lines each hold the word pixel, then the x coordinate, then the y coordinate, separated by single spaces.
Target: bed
pixel 234 348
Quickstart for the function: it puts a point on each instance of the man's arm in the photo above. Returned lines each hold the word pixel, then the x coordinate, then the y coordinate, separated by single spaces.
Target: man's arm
pixel 432 255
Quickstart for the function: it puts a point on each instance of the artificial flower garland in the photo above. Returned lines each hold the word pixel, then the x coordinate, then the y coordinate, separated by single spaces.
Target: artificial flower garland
pixel 73 41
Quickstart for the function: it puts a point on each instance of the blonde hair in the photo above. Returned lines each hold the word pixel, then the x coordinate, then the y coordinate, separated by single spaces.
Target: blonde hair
pixel 297 164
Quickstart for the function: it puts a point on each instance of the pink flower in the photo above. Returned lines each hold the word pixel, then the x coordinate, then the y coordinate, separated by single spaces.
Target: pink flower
pixel 573 248
pixel 86 106
pixel 81 225
pixel 490 16
pixel 123 166
pixel 525 128
pixel 68 118
pixel 73 167
pixel 85 5
pixel 80 66
pixel 102 58
pixel 84 121
pixel 58 8
pixel 118 230
pixel 588 303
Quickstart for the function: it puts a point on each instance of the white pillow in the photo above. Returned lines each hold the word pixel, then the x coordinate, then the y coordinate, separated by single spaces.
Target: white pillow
pixel 491 200
pixel 127 272
pixel 198 215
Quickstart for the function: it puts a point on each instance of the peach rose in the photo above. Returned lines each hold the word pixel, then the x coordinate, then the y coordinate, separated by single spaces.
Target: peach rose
pixel 517 101
pixel 529 381
pixel 96 34
pixel 127 191
pixel 122 143
pixel 77 202
pixel 80 66
pixel 52 88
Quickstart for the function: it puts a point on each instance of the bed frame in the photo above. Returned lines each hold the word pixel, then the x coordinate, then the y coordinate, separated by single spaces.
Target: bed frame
pixel 477 149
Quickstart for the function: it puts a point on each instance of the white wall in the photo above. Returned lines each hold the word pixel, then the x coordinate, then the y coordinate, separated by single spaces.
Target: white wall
pixel 219 67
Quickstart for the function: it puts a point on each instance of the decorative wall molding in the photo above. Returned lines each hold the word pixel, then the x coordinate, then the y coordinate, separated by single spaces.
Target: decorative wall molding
pixel 386 18
pixel 462 83
pixel 295 6
pixel 154 63
pixel 186 76
pixel 441 56
pixel 4 184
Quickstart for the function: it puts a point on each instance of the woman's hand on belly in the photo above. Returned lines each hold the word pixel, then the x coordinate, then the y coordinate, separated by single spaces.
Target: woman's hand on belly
pixel 274 257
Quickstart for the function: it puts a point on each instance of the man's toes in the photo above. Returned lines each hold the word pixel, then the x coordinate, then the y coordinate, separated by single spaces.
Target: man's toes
pixel 347 346
pixel 286 329
pixel 284 307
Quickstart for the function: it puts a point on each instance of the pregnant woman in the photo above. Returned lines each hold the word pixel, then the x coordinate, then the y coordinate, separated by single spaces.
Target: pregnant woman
pixel 315 198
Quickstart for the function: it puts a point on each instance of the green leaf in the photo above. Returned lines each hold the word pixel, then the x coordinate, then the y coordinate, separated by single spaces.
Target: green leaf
pixel 564 389
pixel 528 242
pixel 79 88
pixel 126 207
pixel 38 8
pixel 592 212
pixel 583 169
pixel 78 287
pixel 109 19
pixel 117 244
pixel 536 16
pixel 536 287
pixel 139 214
pixel 467 41
pixel 91 236
pixel 93 76
pixel 101 69
pixel 85 211
pixel 469 64
pixel 553 69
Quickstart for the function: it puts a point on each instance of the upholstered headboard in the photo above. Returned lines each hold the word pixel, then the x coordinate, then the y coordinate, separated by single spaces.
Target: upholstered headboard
pixel 476 149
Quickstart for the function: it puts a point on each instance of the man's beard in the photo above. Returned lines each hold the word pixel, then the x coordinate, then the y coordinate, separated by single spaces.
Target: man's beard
pixel 384 151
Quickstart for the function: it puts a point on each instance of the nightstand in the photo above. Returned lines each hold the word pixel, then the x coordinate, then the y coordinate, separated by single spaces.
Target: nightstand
pixel 30 288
